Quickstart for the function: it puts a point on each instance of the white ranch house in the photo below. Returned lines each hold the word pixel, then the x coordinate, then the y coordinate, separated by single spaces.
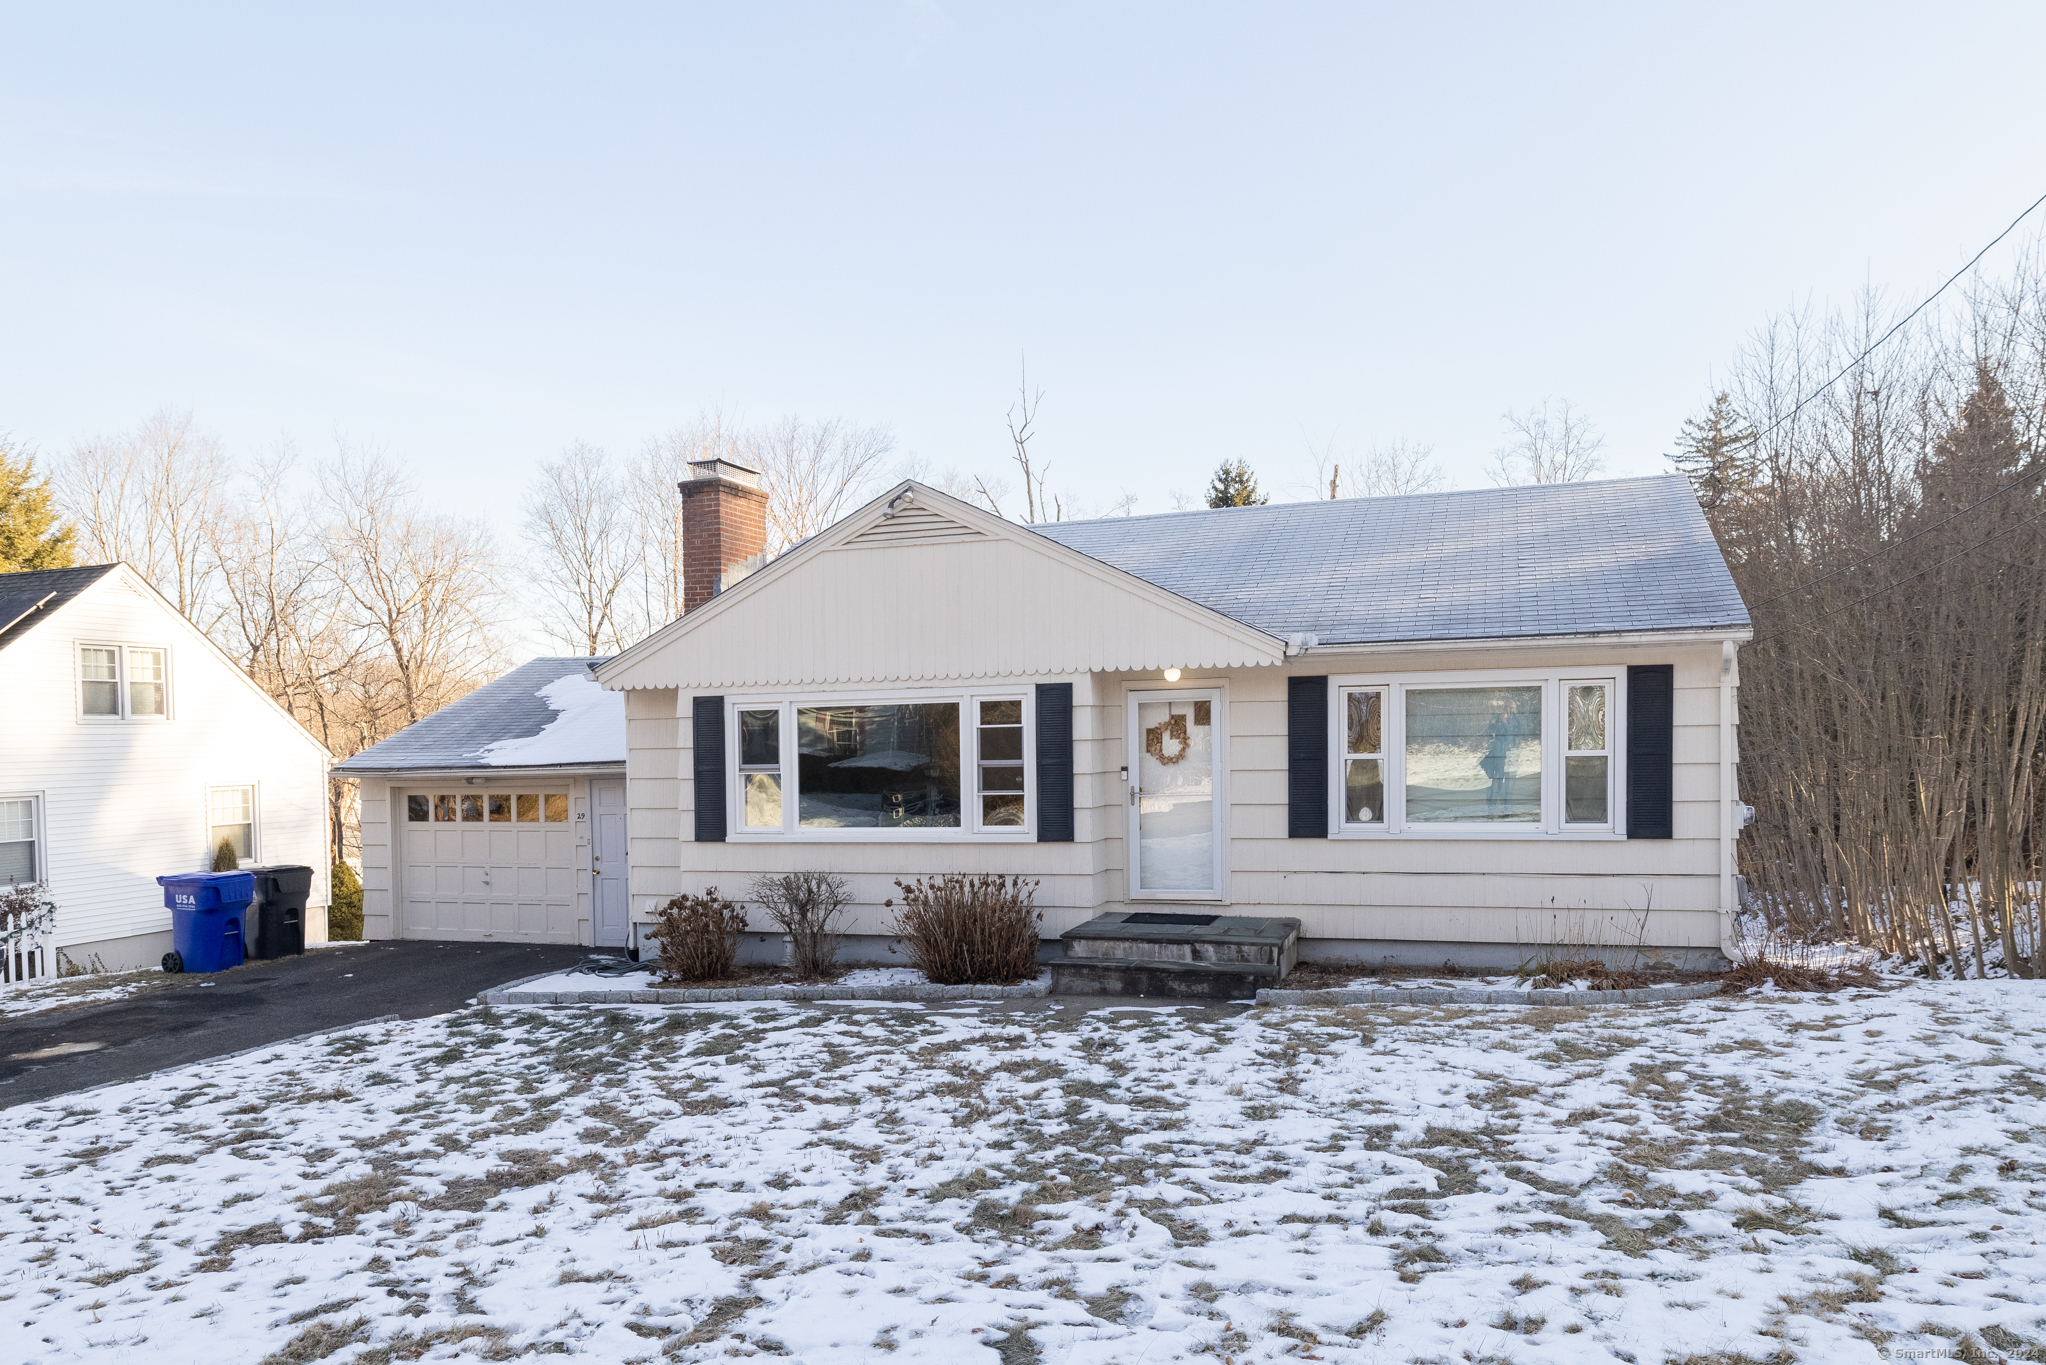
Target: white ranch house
pixel 130 746
pixel 1451 726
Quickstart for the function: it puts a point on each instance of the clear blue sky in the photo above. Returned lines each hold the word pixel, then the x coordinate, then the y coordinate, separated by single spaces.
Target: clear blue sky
pixel 474 234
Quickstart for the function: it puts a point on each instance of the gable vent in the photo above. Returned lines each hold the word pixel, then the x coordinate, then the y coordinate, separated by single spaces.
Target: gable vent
pixel 914 526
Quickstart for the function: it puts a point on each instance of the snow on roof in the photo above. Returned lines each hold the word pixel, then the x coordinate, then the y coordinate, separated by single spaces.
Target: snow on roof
pixel 1492 563
pixel 588 727
pixel 546 713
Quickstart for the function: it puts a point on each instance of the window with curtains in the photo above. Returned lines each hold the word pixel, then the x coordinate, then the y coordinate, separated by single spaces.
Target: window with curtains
pixel 1478 755
pixel 907 766
pixel 123 682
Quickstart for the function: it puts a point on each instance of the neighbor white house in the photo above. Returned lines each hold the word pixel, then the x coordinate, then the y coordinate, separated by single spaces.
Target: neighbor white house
pixel 1451 726
pixel 130 747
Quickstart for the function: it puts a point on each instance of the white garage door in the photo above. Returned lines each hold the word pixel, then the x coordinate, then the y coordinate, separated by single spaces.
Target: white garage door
pixel 488 864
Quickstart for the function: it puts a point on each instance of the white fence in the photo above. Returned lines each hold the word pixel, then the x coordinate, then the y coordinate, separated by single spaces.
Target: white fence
pixel 24 956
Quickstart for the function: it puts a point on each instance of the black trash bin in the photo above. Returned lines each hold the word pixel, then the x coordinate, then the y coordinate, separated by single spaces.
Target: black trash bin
pixel 279 912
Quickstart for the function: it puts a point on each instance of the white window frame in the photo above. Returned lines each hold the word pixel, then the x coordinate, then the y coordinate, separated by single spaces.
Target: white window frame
pixel 970 827
pixel 123 679
pixel 1564 753
pixel 255 817
pixel 120 711
pixel 128 682
pixel 1393 736
pixel 37 835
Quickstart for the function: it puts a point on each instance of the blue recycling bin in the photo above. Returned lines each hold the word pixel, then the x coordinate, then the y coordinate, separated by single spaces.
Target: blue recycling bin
pixel 207 913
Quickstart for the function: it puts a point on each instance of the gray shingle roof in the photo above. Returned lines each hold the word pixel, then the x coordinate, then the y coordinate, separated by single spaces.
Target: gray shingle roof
pixel 450 738
pixel 1549 559
pixel 21 592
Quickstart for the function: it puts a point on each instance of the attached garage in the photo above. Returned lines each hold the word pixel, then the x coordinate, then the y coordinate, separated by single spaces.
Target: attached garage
pixel 489 864
pixel 500 817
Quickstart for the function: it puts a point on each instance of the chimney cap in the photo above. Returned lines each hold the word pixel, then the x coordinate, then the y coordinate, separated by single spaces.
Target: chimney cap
pixel 724 469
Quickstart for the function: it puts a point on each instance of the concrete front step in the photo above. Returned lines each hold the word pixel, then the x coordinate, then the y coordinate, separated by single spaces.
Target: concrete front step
pixel 1185 952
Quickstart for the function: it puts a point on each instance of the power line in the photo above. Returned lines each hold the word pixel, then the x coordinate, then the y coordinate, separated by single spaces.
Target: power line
pixel 1849 367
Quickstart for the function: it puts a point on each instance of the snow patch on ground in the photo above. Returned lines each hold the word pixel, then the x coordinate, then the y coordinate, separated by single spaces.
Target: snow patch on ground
pixel 864 978
pixel 62 992
pixel 1478 983
pixel 1796 1178
pixel 590 728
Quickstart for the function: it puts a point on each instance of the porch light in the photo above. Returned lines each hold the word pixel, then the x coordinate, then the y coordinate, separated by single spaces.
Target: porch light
pixel 1172 675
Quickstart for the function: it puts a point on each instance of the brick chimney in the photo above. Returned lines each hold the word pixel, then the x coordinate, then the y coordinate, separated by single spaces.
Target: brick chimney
pixel 724 528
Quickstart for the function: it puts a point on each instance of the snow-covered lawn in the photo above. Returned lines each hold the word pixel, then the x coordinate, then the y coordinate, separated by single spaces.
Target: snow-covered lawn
pixel 1761 1178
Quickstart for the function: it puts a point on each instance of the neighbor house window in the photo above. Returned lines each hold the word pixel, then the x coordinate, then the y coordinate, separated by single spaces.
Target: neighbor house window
pixel 475 808
pixel 234 819
pixel 145 682
pixel 1513 754
pixel 99 674
pixel 21 862
pixel 123 682
pixel 951 764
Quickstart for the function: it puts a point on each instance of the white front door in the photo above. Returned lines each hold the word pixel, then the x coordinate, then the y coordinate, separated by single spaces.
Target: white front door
pixel 609 918
pixel 1176 798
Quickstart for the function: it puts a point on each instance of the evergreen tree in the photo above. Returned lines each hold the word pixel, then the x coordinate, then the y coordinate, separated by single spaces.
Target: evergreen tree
pixel 1979 453
pixel 30 537
pixel 1235 486
pixel 1716 453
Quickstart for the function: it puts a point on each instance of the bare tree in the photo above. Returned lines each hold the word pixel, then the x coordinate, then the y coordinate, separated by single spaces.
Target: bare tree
pixel 1385 471
pixel 1546 448
pixel 420 584
pixel 580 527
pixel 1395 470
pixel 1022 418
pixel 813 473
pixel 147 497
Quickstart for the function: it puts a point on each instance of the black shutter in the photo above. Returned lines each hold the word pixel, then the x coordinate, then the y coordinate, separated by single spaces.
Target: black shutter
pixel 1055 763
pixel 1651 749
pixel 1307 758
pixel 708 716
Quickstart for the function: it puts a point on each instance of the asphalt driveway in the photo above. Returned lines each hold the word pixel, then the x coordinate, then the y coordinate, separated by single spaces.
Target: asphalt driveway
pixel 58 1051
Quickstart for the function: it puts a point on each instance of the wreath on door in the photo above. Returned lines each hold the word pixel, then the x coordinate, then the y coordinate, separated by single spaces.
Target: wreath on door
pixel 1171 728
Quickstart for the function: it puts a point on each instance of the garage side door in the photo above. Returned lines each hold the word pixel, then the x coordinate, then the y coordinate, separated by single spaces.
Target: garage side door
pixel 488 864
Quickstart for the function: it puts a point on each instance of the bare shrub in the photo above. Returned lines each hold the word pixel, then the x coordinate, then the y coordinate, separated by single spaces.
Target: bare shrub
pixel 808 907
pixel 1547 973
pixel 699 937
pixel 1793 963
pixel 966 930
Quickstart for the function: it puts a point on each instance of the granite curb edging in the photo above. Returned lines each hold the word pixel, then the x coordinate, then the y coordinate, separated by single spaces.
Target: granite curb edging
pixel 712 995
pixel 1444 995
